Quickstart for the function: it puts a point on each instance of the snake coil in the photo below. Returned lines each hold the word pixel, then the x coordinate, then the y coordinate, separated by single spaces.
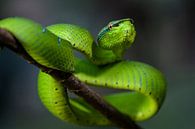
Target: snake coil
pixel 55 46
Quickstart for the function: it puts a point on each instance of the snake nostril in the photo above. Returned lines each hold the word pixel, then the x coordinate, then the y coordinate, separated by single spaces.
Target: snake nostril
pixel 127 31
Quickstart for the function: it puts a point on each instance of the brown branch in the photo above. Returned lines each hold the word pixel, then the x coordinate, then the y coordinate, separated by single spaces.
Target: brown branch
pixel 73 84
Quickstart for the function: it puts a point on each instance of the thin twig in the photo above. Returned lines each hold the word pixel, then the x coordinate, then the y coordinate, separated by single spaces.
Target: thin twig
pixel 73 84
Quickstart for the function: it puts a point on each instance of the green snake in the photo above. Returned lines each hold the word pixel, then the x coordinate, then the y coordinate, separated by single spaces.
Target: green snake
pixel 58 46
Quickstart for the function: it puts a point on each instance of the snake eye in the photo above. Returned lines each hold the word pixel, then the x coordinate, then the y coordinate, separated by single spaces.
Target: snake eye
pixel 110 26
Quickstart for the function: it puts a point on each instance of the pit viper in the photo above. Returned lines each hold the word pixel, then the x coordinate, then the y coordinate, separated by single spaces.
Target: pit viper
pixel 58 46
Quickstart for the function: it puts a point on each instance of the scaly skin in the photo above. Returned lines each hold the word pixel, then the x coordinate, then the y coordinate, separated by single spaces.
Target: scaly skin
pixel 54 47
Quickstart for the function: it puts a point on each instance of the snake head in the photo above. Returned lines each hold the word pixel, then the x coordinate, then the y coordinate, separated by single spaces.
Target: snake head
pixel 117 34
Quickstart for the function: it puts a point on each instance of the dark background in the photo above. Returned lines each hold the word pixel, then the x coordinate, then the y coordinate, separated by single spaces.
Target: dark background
pixel 165 39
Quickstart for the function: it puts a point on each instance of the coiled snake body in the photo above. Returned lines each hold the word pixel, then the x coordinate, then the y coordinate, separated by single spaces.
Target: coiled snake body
pixel 55 46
